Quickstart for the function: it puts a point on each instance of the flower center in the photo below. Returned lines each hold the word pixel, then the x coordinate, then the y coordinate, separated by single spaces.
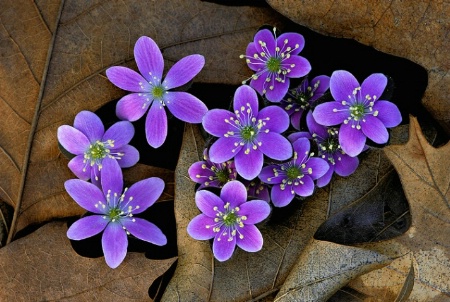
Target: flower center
pixel 293 173
pixel 158 92
pixel 98 151
pixel 223 175
pixel 357 111
pixel 273 64
pixel 247 133
pixel 114 213
pixel 230 219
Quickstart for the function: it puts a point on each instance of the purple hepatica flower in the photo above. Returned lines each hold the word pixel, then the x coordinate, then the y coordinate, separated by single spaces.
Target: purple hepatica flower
pixel 229 219
pixel 149 91
pixel 209 174
pixel 301 98
pixel 257 189
pixel 248 134
pixel 295 176
pixel 328 149
pixel 274 61
pixel 90 144
pixel 114 211
pixel 359 110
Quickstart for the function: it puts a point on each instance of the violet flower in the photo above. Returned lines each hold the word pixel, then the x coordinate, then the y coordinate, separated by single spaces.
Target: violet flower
pixel 150 91
pixel 229 219
pixel 295 176
pixel 209 174
pixel 114 211
pixel 248 134
pixel 358 111
pixel 90 144
pixel 301 98
pixel 257 189
pixel 274 61
pixel 328 149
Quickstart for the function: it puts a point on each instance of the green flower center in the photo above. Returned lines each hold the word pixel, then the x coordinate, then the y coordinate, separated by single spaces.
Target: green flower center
pixel 230 219
pixel 273 64
pixel 293 173
pixel 247 133
pixel 357 111
pixel 114 213
pixel 97 151
pixel 222 176
pixel 158 92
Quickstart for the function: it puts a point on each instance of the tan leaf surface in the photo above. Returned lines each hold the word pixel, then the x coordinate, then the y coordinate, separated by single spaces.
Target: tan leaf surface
pixel 417 30
pixel 44 267
pixel 52 63
pixel 425 175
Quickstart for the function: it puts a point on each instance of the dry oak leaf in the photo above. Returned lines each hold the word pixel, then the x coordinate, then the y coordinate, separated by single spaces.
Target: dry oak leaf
pixel 44 267
pixel 425 175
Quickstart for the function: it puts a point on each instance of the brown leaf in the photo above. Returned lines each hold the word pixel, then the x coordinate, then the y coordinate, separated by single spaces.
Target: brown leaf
pixel 416 30
pixel 43 266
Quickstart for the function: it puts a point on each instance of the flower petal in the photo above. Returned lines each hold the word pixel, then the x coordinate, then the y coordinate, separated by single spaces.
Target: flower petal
pixel 323 85
pixel 330 113
pixel 144 230
pixel 85 194
pixel 296 135
pixel 87 227
pixel 234 193
pixel 224 149
pixel 249 165
pixel 326 178
pixel 388 113
pixel 90 124
pixel 129 158
pixel 133 106
pixel 183 71
pixel 281 197
pixel 342 84
pixel 148 58
pixel 114 244
pixel 243 97
pixel 112 179
pixel 144 194
pixel 199 174
pixel 302 147
pixel 156 125
pixel 298 66
pixel 259 83
pixel 305 189
pixel 265 36
pixel 127 79
pixel 346 165
pixel 278 92
pixel 267 175
pixel 73 140
pixel 295 119
pixel 252 240
pixel 79 168
pixel 222 248
pixel 206 201
pixel 275 146
pixel 276 118
pixel 185 106
pixel 252 63
pixel 319 167
pixel 293 40
pixel 197 227
pixel 255 211
pixel 121 133
pixel 374 85
pixel 374 129
pixel 215 122
pixel 315 128
pixel 352 141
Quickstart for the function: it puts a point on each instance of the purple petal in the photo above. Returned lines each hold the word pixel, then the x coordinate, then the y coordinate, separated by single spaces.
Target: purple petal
pixel 324 85
pixel 148 59
pixel 222 248
pixel 249 165
pixel 112 179
pixel 301 66
pixel 276 119
pixel 96 176
pixel 127 79
pixel 114 244
pixel 121 133
pixel 275 146
pixel 144 230
pixel 374 85
pixel 129 158
pixel 73 140
pixel 234 192
pixel 183 71
pixel 252 240
pixel 185 106
pixel 206 202
pixel 90 124
pixel 295 119
pixel 224 149
pixel 352 141
pixel 255 211
pixel 259 83
pixel 326 178
pixel 302 147
pixel 374 129
pixel 79 168
pixel 305 189
pixel 388 113
pixel 156 125
pixel 342 84
pixel 330 113
pixel 281 198
pixel 87 227
pixel 85 194
pixel 267 37
pixel 267 175
pixel 197 227
pixel 314 127
pixel 345 165
pixel 278 92
pixel 253 64
pixel 296 135
pixel 215 122
pixel 292 40
pixel 144 194
pixel 319 167
pixel 196 169
pixel 133 106
pixel 243 97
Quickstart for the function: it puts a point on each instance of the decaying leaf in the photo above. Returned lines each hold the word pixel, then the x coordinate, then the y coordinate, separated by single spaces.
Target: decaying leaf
pixel 44 267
